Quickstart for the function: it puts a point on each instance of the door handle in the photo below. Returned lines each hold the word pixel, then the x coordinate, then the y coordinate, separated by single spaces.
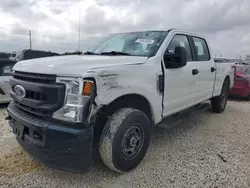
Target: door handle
pixel 213 69
pixel 195 71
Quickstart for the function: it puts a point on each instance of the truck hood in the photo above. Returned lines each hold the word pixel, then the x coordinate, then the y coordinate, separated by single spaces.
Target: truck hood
pixel 75 65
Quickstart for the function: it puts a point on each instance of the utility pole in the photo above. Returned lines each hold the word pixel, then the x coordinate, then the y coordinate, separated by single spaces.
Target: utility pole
pixel 30 39
pixel 79 39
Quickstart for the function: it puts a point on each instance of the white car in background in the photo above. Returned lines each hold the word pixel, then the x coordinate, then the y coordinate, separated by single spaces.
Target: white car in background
pixel 6 65
pixel 5 89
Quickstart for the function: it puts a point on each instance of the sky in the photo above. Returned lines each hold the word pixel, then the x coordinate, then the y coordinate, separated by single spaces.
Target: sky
pixel 54 24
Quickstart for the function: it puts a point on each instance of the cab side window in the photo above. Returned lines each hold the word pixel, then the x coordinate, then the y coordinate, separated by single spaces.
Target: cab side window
pixel 201 49
pixel 177 41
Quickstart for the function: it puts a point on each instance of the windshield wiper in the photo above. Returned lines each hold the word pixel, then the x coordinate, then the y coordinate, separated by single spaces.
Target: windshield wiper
pixel 115 53
pixel 90 53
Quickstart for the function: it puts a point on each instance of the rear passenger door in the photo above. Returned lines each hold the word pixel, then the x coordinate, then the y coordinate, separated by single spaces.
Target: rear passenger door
pixel 206 68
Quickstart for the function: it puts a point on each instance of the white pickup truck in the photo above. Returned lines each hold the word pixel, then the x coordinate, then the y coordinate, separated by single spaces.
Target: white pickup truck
pixel 113 95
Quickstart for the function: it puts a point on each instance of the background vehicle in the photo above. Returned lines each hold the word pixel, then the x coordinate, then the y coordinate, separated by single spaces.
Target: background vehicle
pixel 4 56
pixel 248 58
pixel 5 89
pixel 7 61
pixel 241 63
pixel 12 55
pixel 220 60
pixel 113 95
pixel 6 66
pixel 32 54
pixel 241 87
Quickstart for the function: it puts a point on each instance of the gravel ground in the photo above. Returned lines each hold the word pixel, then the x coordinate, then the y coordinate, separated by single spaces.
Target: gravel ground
pixel 210 150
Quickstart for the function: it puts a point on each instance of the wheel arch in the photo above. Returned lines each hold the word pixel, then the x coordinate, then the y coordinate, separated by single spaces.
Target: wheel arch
pixel 135 101
pixel 228 78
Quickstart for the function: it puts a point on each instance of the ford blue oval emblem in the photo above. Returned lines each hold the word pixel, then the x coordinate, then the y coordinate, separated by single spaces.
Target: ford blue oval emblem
pixel 19 91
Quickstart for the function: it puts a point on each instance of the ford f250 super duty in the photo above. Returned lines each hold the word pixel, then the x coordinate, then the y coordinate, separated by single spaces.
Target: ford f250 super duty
pixel 111 97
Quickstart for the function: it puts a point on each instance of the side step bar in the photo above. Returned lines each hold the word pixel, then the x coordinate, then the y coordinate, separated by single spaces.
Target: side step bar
pixel 175 119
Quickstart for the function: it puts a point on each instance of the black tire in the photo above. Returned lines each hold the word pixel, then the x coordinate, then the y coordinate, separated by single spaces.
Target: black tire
pixel 248 98
pixel 117 137
pixel 219 103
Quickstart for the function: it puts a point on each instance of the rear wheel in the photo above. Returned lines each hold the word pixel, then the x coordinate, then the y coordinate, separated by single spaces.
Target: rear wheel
pixel 219 103
pixel 248 98
pixel 125 139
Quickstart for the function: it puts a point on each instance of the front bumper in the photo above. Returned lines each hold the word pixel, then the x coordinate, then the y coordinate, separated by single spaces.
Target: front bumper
pixel 52 143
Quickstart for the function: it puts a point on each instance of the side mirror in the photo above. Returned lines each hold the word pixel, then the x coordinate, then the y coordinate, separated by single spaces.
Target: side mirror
pixel 177 59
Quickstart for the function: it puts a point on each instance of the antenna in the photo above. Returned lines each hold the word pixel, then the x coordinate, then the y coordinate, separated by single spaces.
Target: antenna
pixel 79 39
pixel 30 39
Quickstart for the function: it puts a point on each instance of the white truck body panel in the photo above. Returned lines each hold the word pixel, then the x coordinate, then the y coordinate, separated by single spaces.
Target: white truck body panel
pixel 75 65
pixel 185 93
pixel 222 70
pixel 189 89
pixel 117 76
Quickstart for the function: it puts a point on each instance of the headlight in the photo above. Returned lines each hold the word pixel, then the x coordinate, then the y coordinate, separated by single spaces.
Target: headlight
pixel 77 95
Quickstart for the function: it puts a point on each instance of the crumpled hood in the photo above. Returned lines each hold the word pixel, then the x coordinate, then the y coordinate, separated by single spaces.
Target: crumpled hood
pixel 74 65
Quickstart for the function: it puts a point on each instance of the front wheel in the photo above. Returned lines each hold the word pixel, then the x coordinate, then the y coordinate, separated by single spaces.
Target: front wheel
pixel 219 103
pixel 125 139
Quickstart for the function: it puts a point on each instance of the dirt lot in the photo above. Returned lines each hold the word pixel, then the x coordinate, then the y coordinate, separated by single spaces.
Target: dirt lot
pixel 210 150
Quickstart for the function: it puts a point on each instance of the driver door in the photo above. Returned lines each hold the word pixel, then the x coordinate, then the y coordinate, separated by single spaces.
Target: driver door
pixel 181 84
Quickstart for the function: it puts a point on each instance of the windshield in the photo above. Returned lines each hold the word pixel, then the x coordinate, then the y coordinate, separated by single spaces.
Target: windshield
pixel 135 43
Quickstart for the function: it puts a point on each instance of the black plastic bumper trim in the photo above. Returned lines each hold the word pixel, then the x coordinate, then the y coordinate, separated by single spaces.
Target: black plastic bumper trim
pixel 56 145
